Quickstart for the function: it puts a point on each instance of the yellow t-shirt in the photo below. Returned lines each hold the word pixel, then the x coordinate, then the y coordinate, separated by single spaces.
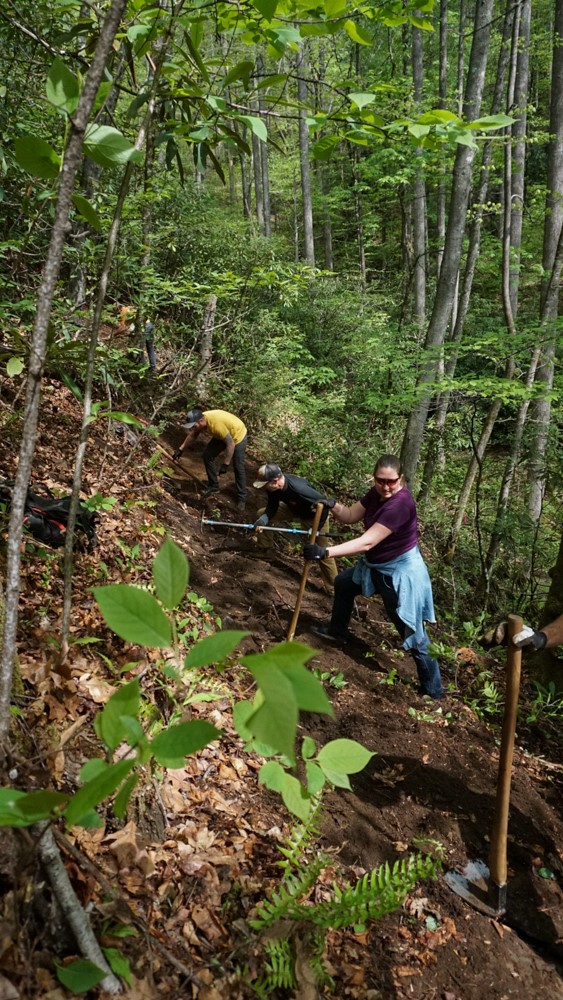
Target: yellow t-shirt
pixel 220 423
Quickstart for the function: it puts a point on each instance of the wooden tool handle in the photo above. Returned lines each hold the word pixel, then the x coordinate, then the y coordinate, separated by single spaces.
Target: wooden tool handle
pixel 499 836
pixel 304 574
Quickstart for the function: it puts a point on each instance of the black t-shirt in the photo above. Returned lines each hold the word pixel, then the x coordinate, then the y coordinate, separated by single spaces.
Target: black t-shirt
pixel 299 496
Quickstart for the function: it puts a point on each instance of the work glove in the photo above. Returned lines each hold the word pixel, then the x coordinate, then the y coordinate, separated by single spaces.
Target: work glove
pixel 261 522
pixel 224 468
pixel 329 504
pixel 527 637
pixel 177 454
pixel 313 551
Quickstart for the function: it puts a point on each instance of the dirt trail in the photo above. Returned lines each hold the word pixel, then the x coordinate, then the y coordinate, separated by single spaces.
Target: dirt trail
pixel 433 777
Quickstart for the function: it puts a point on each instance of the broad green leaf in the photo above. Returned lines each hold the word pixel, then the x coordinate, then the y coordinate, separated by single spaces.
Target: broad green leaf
pixel 256 124
pixel 37 157
pixel 357 34
pixel 40 805
pixel 102 95
pixel 15 366
pixel 271 81
pixel 308 748
pixel 121 800
pixel 217 103
pixel 360 100
pixel 108 147
pixel 95 791
pixel 87 211
pixel 118 964
pixel 63 88
pixel 334 8
pixel 315 777
pixel 295 797
pixel 345 756
pixel 9 815
pixel 419 130
pixel 323 149
pixel 92 768
pixel 124 418
pixel 267 8
pixel 107 724
pixel 213 648
pixel 465 139
pixel 308 691
pixel 272 775
pixel 280 37
pixel 134 614
pixel 242 712
pixel 170 572
pixel 275 722
pixel 241 71
pixel 491 121
pixel 175 743
pixel 337 778
pixel 437 117
pixel 422 23
pixel 80 976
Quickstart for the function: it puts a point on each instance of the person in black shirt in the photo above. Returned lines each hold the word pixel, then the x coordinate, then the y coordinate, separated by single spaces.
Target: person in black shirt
pixel 290 499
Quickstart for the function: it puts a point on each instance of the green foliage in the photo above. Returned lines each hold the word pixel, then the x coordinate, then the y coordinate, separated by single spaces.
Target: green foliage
pixel 80 976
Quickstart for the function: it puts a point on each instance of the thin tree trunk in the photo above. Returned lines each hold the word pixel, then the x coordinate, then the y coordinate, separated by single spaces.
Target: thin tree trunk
pixel 419 200
pixel 45 295
pixel 447 282
pixel 258 189
pixel 308 232
pixel 206 346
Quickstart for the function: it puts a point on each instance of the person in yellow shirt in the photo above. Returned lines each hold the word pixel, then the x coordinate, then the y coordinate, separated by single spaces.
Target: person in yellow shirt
pixel 228 437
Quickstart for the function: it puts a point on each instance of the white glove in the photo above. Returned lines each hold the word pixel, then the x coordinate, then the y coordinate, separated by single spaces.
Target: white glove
pixel 527 637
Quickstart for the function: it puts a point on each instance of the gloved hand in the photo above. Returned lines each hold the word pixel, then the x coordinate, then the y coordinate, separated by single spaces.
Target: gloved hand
pixel 261 522
pixel 224 468
pixel 328 503
pixel 177 454
pixel 527 637
pixel 313 551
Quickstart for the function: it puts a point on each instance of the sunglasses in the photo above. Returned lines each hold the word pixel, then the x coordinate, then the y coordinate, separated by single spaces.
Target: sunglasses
pixel 387 482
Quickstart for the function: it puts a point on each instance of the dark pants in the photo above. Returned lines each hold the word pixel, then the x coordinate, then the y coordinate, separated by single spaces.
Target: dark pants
pixel 345 591
pixel 214 448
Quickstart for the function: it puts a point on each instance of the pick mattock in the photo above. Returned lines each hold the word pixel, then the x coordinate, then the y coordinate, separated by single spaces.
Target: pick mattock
pixel 304 574
pixel 486 888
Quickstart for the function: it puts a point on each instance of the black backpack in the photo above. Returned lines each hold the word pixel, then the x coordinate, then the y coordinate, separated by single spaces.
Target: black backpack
pixel 46 517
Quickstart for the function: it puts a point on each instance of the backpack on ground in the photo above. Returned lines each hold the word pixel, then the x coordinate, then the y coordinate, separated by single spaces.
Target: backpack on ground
pixel 46 517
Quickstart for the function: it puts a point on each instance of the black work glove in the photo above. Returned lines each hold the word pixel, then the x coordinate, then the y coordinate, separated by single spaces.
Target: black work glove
pixel 313 551
pixel 224 468
pixel 329 504
pixel 177 454
pixel 261 522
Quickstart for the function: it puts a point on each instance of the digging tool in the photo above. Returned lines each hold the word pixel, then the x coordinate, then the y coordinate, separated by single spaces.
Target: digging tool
pixel 304 575
pixel 250 527
pixel 486 887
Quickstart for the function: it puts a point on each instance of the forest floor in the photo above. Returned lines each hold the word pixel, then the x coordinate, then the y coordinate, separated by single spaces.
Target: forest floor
pixel 199 848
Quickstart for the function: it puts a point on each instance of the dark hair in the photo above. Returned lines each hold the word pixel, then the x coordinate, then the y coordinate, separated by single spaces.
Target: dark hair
pixel 388 462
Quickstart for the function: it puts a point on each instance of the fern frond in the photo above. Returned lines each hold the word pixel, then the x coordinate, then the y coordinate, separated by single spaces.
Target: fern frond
pixel 301 836
pixel 278 969
pixel 292 888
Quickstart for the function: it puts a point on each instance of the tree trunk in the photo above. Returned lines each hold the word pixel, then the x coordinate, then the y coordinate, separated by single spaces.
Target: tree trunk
pixel 308 234
pixel 419 201
pixel 206 346
pixel 447 282
pixel 71 162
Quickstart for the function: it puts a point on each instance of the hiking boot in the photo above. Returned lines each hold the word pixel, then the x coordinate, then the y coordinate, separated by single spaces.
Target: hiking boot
pixel 325 632
pixel 210 490
pixel 241 505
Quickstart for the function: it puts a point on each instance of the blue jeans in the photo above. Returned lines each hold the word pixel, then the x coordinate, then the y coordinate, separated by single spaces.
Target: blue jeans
pixel 345 591
pixel 212 450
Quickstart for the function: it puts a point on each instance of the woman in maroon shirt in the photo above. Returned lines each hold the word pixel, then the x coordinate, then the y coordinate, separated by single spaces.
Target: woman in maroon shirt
pixel 390 565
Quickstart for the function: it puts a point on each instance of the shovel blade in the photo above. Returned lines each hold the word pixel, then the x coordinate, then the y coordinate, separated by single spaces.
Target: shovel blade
pixel 473 884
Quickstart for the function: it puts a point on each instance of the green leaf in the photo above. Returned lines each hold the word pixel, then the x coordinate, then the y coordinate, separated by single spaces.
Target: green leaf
pixel 334 8
pixel 491 122
pixel 242 712
pixel 175 743
pixel 108 147
pixel 241 71
pixel 357 34
pixel 9 815
pixel 295 797
pixel 15 366
pixel 133 614
pixel 337 778
pixel 323 149
pixel 213 648
pixel 272 775
pixel 92 768
pixel 267 8
pixel 217 103
pixel 360 100
pixel 170 572
pixel 37 157
pixel 108 723
pixel 344 756
pixel 118 964
pixel 91 794
pixel 63 89
pixel 419 130
pixel 39 805
pixel 308 748
pixel 121 800
pixel 309 692
pixel 315 777
pixel 438 117
pixel 275 722
pixel 87 211
pixel 80 976
pixel 256 124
